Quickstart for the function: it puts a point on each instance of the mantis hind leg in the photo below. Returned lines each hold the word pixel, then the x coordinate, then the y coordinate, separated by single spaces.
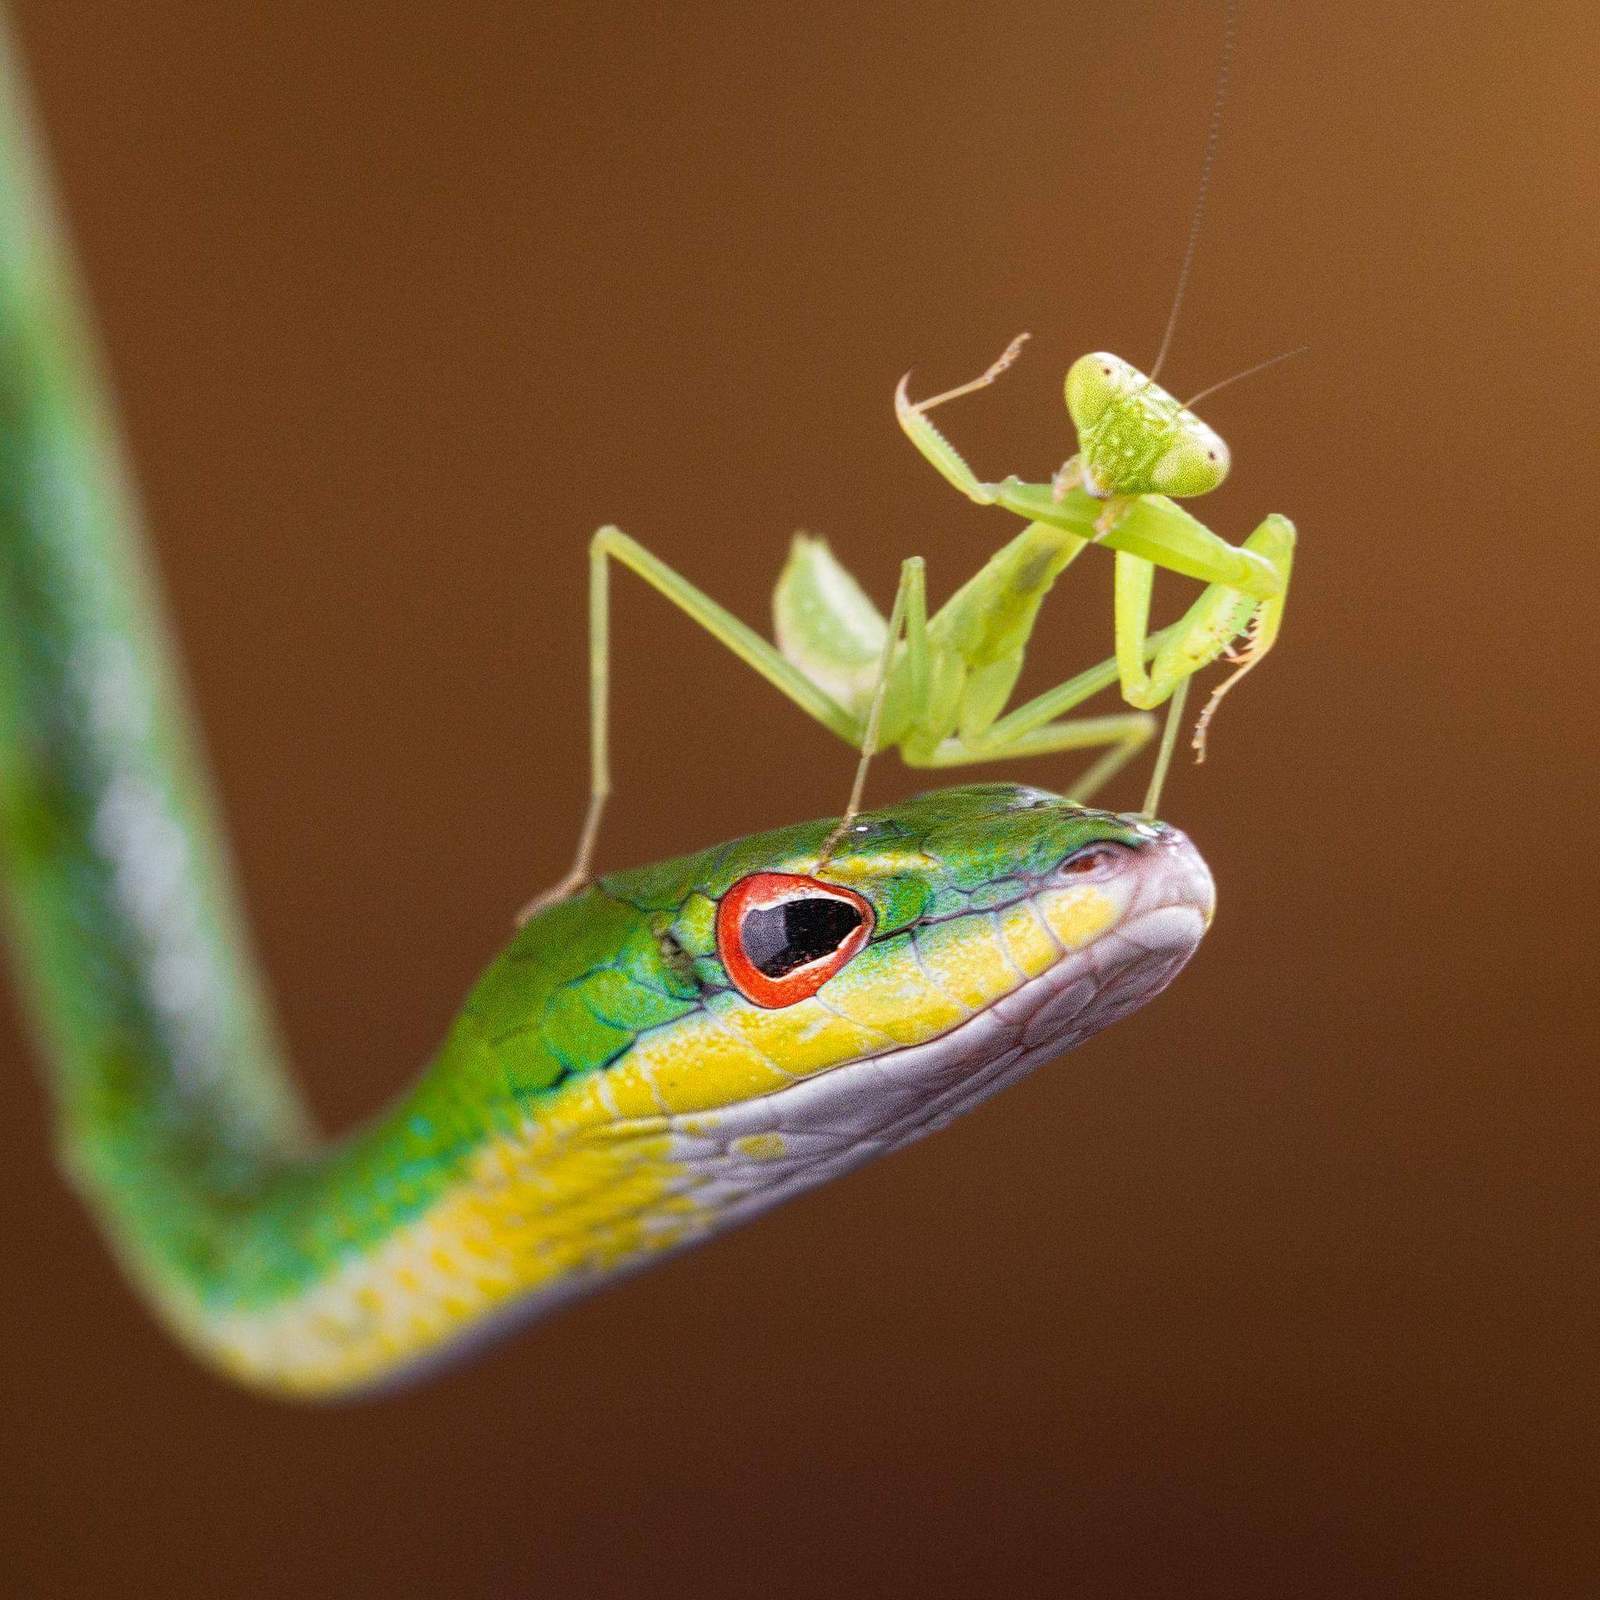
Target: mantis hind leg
pixel 611 544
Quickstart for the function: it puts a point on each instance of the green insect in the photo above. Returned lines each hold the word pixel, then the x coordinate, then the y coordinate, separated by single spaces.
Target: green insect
pixel 937 687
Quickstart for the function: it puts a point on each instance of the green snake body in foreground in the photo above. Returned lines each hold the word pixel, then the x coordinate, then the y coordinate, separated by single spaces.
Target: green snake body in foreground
pixel 670 1052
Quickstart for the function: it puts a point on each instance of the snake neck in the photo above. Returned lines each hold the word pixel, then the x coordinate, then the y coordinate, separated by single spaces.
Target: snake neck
pixel 127 945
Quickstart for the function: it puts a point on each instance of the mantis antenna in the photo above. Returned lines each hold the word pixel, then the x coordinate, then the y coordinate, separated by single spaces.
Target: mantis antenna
pixel 1230 29
pixel 1249 372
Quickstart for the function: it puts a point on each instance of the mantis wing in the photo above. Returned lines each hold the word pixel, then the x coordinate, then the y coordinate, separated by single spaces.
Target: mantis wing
pixel 826 626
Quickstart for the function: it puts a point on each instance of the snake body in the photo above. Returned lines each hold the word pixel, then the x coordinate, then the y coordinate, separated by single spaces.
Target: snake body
pixel 663 1055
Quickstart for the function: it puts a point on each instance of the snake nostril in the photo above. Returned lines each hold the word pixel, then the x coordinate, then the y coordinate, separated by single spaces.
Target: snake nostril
pixel 1094 861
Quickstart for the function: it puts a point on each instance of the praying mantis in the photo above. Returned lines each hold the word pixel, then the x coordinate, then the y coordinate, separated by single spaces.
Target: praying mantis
pixel 937 686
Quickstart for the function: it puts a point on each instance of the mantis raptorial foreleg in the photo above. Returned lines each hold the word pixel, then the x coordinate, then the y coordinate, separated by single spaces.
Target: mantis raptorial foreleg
pixel 1218 617
pixel 1262 632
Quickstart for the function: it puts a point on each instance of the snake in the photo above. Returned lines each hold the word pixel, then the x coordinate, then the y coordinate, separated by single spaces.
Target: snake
pixel 668 1053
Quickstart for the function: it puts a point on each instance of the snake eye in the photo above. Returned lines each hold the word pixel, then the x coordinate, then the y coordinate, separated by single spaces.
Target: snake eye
pixel 1093 861
pixel 781 936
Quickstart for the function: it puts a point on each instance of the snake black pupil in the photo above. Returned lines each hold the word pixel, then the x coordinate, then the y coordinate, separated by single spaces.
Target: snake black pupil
pixel 777 939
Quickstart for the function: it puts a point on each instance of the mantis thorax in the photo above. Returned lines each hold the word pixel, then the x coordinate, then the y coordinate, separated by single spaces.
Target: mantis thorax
pixel 1136 438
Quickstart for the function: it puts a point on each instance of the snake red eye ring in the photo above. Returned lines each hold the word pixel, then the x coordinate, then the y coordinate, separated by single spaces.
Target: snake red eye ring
pixel 782 935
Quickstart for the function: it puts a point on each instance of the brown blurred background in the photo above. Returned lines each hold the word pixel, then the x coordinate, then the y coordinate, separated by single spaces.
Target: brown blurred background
pixel 1284 1287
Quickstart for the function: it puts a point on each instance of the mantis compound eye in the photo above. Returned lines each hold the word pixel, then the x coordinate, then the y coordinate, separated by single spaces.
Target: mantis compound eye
pixel 1093 382
pixel 1195 463
pixel 781 935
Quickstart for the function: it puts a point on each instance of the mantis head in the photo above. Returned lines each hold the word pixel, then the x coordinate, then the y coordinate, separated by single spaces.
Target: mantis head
pixel 1134 437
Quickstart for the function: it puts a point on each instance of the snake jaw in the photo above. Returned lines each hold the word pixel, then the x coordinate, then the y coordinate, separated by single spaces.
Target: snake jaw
pixel 752 1155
